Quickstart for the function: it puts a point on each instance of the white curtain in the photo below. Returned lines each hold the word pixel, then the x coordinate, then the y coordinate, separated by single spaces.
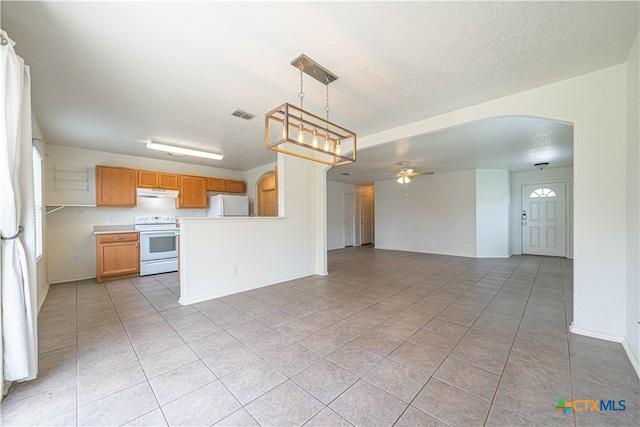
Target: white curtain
pixel 19 344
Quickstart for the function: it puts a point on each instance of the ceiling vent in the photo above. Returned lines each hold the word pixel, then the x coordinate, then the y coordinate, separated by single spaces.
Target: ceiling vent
pixel 242 114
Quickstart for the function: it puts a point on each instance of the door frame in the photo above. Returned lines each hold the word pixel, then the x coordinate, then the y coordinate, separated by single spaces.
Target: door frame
pixel 568 213
pixel 349 218
pixel 373 236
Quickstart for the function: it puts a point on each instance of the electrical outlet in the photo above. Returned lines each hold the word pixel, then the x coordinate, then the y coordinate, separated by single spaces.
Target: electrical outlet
pixel 76 257
pixel 234 269
pixel 111 218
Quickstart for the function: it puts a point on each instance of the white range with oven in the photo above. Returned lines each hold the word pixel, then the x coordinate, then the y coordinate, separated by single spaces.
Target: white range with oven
pixel 158 244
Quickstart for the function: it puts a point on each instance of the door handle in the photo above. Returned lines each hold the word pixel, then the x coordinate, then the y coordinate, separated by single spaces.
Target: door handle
pixel 523 218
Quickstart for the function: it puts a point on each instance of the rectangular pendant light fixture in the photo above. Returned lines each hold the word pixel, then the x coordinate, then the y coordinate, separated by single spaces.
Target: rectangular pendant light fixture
pixel 294 131
pixel 182 150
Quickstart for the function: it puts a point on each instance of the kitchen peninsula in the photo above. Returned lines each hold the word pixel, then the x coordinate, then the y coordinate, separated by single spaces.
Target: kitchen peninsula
pixel 222 256
pixel 226 255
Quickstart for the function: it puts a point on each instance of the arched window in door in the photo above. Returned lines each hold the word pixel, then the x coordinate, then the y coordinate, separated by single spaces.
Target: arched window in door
pixel 542 192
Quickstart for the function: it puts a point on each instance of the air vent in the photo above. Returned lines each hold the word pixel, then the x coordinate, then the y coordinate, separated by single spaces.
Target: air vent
pixel 242 114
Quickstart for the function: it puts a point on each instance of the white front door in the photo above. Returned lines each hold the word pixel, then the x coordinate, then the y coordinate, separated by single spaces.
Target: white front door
pixel 348 219
pixel 543 219
pixel 366 219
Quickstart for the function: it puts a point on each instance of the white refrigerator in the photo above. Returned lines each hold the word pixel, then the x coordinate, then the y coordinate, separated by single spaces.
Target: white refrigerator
pixel 228 205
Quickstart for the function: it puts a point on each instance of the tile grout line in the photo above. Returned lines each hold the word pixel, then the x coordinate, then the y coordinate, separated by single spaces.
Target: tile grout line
pixel 495 393
pixel 469 328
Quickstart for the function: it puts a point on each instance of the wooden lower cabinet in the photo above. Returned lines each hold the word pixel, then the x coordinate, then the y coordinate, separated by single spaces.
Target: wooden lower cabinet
pixel 117 256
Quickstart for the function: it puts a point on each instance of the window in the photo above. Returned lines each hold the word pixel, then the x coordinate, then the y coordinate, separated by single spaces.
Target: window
pixel 37 195
pixel 542 192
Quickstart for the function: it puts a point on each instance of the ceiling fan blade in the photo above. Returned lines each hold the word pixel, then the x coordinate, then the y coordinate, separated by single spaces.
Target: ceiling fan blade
pixel 422 173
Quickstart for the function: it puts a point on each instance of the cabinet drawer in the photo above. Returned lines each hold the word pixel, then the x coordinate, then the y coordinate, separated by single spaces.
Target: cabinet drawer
pixel 123 237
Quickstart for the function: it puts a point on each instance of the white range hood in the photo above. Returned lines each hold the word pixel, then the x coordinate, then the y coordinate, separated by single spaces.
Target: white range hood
pixel 157 192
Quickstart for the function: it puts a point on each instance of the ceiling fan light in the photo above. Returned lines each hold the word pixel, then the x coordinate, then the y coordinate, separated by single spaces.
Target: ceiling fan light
pixel 400 180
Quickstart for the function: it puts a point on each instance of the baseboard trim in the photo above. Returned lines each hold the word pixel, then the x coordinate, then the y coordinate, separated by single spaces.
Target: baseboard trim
pixel 596 334
pixel 633 357
pixel 43 296
pixel 72 279
pixel 185 301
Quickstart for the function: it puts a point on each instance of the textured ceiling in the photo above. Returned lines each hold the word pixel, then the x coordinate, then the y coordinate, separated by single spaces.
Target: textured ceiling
pixel 111 76
pixel 513 143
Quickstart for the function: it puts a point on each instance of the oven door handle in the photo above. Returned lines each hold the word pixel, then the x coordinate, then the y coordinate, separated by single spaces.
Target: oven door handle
pixel 167 232
pixel 159 261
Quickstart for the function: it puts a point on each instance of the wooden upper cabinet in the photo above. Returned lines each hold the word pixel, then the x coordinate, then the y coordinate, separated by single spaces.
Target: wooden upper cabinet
pixel 192 192
pixel 150 179
pixel 216 184
pixel 236 186
pixel 115 187
pixel 168 181
pixel 225 185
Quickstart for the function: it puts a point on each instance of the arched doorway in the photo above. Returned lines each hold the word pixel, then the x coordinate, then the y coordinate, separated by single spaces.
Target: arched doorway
pixel 267 194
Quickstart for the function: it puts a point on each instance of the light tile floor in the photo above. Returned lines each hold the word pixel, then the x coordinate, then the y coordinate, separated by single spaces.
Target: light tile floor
pixel 388 338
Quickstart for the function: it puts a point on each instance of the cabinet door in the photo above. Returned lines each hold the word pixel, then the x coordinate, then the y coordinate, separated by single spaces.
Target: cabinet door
pixel 115 187
pixel 236 186
pixel 168 181
pixel 119 258
pixel 116 259
pixel 147 179
pixel 216 184
pixel 193 192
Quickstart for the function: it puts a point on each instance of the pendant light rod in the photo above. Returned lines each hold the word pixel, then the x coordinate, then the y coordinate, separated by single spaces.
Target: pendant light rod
pixel 317 139
pixel 313 69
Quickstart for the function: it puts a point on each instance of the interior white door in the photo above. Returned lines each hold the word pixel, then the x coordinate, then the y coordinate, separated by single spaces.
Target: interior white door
pixel 348 219
pixel 543 219
pixel 366 220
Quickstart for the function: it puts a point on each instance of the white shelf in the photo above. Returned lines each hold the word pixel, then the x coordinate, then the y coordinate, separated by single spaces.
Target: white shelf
pixel 55 208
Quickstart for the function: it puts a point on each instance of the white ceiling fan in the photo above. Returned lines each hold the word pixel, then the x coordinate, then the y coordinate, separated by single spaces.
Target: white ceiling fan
pixel 405 174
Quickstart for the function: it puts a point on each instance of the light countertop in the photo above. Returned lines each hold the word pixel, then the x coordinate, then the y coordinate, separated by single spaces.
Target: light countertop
pixel 108 229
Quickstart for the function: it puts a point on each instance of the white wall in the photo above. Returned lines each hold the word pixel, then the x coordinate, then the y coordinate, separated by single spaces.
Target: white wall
pixel 596 104
pixel 492 213
pixel 265 250
pixel 632 247
pixel 431 214
pixel 518 179
pixel 459 213
pixel 70 230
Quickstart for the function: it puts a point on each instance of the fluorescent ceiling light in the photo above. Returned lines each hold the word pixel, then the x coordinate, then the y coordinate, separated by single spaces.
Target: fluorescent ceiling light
pixel 181 150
